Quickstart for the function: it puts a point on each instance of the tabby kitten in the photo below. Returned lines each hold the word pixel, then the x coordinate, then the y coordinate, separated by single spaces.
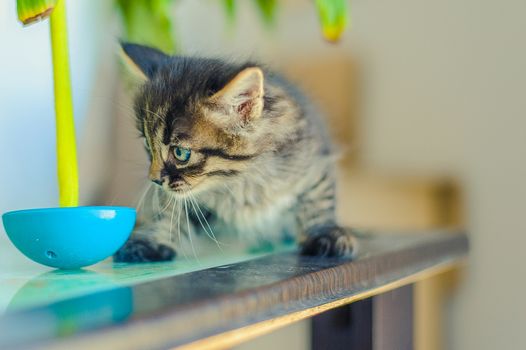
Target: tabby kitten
pixel 237 154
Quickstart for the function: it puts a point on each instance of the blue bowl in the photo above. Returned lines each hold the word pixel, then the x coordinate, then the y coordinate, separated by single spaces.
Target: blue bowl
pixel 72 237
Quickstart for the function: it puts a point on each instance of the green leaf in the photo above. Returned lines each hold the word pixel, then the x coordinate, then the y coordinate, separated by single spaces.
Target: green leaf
pixel 148 22
pixel 268 9
pixel 30 11
pixel 333 18
pixel 230 9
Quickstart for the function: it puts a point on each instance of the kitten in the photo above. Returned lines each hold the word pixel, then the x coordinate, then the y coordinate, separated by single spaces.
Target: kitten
pixel 236 152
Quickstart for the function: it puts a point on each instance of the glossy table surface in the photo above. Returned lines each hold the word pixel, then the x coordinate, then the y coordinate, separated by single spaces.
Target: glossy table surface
pixel 194 304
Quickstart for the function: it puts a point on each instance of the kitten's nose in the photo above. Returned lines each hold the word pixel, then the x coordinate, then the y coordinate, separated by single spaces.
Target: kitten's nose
pixel 155 173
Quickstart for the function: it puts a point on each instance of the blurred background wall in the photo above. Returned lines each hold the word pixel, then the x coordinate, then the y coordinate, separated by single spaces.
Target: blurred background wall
pixel 419 93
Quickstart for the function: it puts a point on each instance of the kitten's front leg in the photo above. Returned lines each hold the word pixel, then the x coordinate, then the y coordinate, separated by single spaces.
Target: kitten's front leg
pixel 329 240
pixel 321 234
pixel 146 245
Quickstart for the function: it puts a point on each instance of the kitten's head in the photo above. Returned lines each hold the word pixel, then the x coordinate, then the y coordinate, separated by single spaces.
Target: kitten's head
pixel 201 119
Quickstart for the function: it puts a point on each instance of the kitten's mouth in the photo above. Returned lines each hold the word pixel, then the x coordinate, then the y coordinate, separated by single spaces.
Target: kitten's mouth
pixel 179 191
pixel 180 187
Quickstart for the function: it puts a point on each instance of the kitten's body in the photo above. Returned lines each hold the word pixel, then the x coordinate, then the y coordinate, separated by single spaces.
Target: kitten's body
pixel 262 167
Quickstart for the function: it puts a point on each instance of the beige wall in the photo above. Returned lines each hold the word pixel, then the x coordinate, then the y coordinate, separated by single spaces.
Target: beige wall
pixel 445 94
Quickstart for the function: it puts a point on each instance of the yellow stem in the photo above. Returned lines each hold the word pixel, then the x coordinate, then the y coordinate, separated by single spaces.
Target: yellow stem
pixel 65 125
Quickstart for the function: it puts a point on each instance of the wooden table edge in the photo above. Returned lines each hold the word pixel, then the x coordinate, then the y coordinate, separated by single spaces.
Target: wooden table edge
pixel 240 335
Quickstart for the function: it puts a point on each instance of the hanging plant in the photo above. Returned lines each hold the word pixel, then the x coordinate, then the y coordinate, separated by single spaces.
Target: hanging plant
pixel 333 18
pixel 230 9
pixel 267 9
pixel 148 22
pixel 30 11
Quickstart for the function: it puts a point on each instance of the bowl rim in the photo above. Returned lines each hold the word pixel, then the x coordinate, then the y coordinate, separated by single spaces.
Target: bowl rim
pixel 68 209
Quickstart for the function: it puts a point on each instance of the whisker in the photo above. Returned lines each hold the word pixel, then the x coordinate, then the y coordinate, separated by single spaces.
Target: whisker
pixel 154 196
pixel 157 201
pixel 195 205
pixel 140 203
pixel 155 114
pixel 172 219
pixel 189 231
pixel 206 221
pixel 167 204
pixel 197 214
pixel 179 212
pixel 229 190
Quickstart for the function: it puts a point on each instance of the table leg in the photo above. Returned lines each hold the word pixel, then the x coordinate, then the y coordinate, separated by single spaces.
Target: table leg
pixel 383 322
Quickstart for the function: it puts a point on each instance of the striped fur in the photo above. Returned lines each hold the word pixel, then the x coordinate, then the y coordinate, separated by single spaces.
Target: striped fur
pixel 261 167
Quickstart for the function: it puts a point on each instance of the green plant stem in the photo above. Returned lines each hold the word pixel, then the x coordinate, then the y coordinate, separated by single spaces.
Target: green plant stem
pixel 65 125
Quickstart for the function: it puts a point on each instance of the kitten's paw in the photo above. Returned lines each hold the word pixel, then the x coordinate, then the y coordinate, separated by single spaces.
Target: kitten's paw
pixel 330 241
pixel 144 250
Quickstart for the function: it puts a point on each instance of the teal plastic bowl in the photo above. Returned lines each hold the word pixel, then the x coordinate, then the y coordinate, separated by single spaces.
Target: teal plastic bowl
pixel 72 237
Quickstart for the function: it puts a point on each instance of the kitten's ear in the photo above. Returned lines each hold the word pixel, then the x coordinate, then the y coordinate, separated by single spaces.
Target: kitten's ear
pixel 143 60
pixel 242 98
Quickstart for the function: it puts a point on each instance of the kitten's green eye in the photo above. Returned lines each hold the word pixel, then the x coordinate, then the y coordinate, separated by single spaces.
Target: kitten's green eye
pixel 182 154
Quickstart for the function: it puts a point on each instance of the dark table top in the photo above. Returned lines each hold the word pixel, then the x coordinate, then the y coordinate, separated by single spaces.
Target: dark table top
pixel 195 308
